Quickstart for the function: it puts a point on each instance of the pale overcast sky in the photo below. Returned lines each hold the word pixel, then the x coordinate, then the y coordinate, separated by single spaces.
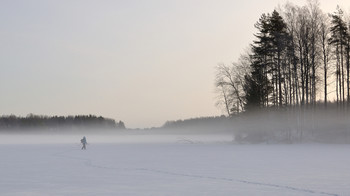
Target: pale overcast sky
pixel 143 62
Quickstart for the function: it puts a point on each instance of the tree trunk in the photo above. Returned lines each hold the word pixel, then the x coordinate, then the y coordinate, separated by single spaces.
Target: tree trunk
pixel 325 69
pixel 279 78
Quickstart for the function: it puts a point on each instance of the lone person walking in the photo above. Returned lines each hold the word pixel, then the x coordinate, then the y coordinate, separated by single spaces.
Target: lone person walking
pixel 83 141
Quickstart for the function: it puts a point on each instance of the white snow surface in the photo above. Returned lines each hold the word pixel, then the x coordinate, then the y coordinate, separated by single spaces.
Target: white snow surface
pixel 171 165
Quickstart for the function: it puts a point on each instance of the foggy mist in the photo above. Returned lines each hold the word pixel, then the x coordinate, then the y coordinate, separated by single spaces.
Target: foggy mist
pixel 287 151
pixel 293 125
pixel 175 98
pixel 129 137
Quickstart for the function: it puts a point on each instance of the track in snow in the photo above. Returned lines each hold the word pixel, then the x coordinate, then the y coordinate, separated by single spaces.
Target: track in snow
pixel 88 162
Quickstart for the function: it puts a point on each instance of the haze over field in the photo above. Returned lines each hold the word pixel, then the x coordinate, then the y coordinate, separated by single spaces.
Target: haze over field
pixel 175 98
pixel 143 62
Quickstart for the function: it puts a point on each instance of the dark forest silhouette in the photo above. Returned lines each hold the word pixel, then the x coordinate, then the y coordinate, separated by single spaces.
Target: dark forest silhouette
pixel 299 56
pixel 37 122
pixel 279 89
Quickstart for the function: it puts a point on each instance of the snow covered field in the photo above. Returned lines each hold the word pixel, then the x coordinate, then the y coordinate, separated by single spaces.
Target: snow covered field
pixel 178 165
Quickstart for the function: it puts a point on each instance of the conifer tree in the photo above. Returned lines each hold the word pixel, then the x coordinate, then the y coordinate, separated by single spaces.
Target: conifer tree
pixel 339 41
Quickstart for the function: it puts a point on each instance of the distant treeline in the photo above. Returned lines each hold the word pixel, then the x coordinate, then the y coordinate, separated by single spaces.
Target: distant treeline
pixel 31 121
pixel 213 124
pixel 275 125
pixel 193 122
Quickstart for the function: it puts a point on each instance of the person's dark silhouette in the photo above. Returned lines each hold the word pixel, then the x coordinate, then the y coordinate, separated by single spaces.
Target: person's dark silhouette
pixel 84 142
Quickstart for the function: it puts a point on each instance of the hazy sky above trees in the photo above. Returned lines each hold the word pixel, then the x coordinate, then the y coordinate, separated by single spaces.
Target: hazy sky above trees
pixel 143 62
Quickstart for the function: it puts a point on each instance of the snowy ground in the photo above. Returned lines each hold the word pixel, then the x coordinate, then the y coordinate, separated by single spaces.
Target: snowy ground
pixel 180 165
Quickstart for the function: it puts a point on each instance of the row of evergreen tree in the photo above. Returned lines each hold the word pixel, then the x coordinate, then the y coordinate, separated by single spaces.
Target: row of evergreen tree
pixel 32 121
pixel 298 54
pixel 196 122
